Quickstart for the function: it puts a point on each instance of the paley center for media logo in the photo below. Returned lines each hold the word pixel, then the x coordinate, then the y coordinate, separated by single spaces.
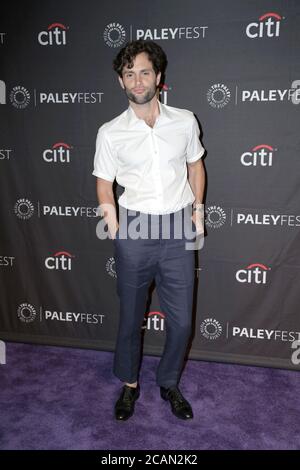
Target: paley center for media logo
pixel 218 95
pixel 115 34
pixel 28 313
pixel 24 209
pixel 54 35
pixel 215 216
pixel 267 26
pixel 211 328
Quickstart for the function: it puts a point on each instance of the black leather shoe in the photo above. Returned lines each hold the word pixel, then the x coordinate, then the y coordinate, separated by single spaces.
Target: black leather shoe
pixel 124 407
pixel 180 406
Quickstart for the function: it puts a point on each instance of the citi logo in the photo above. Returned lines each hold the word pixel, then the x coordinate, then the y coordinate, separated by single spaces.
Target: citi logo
pixel 261 155
pixel 54 36
pixel 163 93
pixel 60 152
pixel 253 274
pixel 154 321
pixel 267 25
pixel 60 261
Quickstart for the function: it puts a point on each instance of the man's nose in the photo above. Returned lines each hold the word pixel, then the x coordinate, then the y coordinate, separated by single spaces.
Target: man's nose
pixel 137 80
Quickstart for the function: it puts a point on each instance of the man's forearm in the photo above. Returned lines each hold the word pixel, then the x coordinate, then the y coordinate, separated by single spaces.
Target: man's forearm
pixel 107 206
pixel 196 177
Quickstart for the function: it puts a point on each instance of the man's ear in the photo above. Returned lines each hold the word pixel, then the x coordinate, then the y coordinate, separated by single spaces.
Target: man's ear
pixel 121 82
pixel 158 78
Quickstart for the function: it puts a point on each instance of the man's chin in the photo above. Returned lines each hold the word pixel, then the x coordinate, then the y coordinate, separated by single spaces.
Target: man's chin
pixel 140 99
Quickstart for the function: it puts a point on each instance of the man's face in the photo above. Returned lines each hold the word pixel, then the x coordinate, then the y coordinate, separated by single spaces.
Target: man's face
pixel 140 82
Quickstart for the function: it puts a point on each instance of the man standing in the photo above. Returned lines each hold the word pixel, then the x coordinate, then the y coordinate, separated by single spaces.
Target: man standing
pixel 153 151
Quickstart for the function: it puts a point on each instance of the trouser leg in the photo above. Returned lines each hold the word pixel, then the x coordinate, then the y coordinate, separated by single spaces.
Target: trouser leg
pixel 135 267
pixel 175 286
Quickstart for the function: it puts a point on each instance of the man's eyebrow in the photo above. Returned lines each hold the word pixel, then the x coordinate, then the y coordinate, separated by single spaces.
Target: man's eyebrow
pixel 142 70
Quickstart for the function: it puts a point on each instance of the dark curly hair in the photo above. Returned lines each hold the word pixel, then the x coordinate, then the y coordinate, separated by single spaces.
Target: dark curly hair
pixel 128 53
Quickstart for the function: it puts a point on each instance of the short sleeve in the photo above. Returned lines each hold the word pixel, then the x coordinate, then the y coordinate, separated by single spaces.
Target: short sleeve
pixel 195 150
pixel 105 162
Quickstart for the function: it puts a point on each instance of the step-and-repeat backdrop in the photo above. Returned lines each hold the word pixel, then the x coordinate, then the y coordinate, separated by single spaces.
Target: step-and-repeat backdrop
pixel 236 65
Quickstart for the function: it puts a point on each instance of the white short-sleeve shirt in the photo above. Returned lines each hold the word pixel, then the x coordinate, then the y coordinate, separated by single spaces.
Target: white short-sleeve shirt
pixel 150 163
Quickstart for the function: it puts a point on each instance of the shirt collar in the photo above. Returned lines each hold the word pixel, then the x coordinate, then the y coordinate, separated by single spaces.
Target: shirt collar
pixel 133 119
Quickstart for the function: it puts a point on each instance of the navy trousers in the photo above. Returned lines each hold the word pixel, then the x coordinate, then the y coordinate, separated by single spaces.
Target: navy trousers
pixel 138 262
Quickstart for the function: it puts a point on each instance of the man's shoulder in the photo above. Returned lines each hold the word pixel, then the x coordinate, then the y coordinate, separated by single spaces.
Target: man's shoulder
pixel 115 122
pixel 179 112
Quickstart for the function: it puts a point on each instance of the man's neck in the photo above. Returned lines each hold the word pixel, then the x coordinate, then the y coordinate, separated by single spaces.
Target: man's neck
pixel 148 111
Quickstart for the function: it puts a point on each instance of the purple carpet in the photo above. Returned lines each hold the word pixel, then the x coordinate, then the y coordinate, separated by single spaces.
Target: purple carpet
pixel 62 398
